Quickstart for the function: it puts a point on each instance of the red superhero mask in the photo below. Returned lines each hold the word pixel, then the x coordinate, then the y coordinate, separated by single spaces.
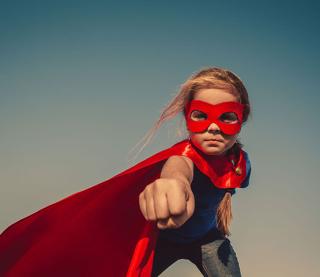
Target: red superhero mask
pixel 227 115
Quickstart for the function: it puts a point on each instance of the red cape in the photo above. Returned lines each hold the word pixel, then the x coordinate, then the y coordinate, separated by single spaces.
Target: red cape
pixel 100 231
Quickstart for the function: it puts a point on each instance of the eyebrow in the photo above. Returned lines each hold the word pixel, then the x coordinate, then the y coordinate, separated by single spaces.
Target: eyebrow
pixel 199 111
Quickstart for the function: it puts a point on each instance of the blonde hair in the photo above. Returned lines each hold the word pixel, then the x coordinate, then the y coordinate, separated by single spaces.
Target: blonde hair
pixel 206 78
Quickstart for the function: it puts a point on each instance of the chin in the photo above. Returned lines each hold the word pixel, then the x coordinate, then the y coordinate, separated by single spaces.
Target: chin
pixel 212 151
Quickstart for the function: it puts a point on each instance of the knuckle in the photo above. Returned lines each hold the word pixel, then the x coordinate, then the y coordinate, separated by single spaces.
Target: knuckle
pixel 148 190
pixel 158 184
pixel 177 184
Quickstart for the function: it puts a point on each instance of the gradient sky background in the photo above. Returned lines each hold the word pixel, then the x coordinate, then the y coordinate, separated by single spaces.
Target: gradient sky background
pixel 82 81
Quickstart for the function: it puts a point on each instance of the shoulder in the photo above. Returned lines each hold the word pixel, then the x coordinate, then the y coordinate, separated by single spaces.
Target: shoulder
pixel 245 153
pixel 178 164
pixel 178 159
pixel 247 159
pixel 248 170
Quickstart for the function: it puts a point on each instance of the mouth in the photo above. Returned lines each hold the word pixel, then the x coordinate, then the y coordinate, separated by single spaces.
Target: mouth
pixel 213 140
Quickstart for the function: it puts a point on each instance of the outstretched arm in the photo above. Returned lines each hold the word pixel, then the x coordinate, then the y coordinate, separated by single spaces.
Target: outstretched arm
pixel 169 199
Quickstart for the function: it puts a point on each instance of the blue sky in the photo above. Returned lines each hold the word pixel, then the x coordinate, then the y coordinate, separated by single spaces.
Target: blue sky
pixel 82 81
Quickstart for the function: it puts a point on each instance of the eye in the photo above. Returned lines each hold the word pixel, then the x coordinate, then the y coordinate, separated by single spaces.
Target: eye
pixel 229 117
pixel 198 115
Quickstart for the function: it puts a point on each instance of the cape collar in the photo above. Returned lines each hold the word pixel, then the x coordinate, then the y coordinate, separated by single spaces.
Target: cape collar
pixel 225 172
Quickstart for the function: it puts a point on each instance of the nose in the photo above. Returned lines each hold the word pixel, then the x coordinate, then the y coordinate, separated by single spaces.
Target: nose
pixel 213 128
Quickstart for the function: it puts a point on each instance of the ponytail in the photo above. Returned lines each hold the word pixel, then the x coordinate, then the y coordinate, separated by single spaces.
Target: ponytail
pixel 224 214
pixel 224 211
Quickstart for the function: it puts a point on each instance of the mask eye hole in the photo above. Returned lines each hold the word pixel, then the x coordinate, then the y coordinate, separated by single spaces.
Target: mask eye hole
pixel 229 117
pixel 198 115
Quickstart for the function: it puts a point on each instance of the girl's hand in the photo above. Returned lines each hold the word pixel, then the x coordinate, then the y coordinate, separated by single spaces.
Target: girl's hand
pixel 169 201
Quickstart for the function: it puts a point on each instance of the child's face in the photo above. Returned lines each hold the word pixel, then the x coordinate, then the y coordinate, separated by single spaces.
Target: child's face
pixel 203 140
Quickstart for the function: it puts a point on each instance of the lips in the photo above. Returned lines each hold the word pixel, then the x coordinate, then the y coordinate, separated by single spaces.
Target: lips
pixel 213 140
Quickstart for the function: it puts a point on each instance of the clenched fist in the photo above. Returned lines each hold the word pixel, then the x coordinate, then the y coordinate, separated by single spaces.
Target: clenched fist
pixel 168 201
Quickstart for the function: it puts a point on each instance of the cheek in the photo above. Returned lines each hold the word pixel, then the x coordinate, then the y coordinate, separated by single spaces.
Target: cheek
pixel 230 139
pixel 195 138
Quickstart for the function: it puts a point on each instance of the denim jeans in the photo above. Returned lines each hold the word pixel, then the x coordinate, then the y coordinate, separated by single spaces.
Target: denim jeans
pixel 213 255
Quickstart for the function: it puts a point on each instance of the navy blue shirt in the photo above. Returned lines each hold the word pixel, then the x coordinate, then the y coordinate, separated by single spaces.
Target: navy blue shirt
pixel 207 199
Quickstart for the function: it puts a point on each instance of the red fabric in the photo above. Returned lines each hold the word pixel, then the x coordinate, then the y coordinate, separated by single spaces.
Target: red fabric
pixel 99 231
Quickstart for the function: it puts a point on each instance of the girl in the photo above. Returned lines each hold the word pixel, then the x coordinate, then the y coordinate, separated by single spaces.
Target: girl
pixel 192 214
pixel 174 204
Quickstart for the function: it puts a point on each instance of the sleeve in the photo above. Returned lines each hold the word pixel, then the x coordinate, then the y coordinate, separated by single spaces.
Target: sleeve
pixel 246 181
